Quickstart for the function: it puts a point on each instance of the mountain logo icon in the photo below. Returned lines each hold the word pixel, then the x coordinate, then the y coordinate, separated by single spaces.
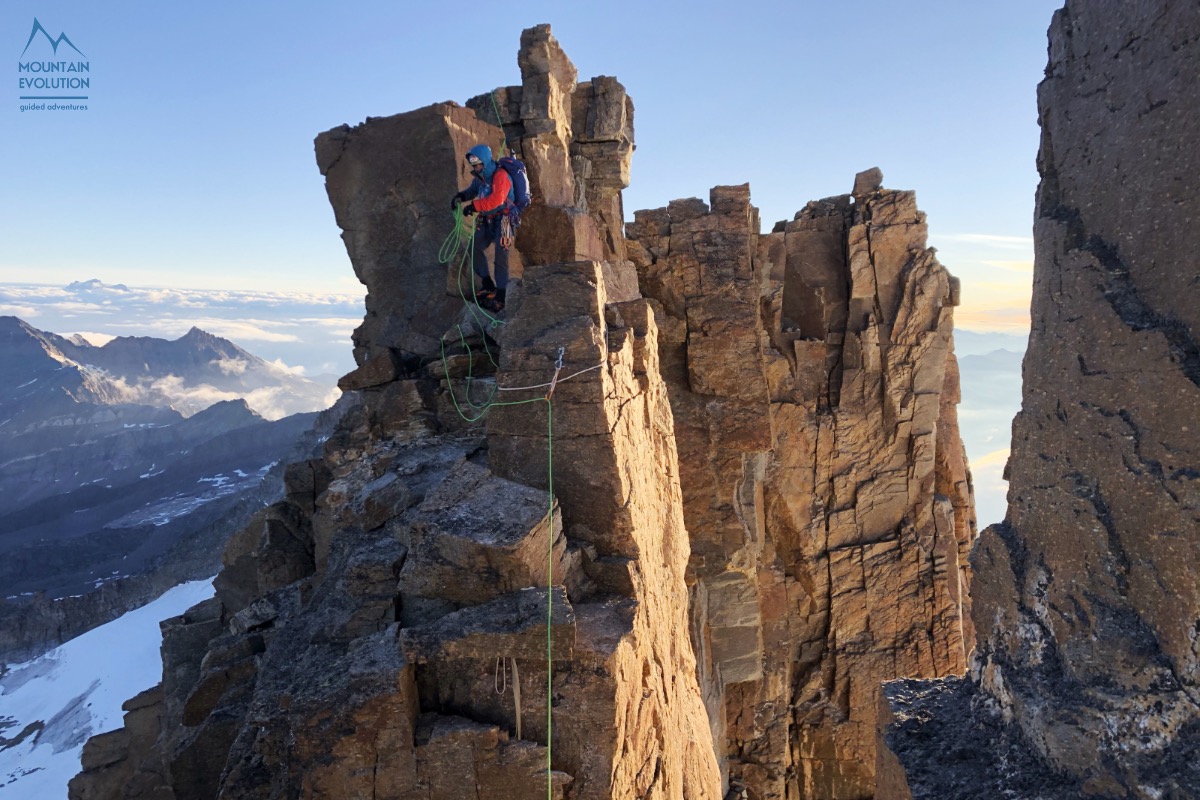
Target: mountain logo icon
pixel 62 37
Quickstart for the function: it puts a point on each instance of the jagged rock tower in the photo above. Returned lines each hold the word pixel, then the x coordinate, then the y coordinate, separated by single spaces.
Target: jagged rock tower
pixel 825 489
pixel 730 502
pixel 1087 678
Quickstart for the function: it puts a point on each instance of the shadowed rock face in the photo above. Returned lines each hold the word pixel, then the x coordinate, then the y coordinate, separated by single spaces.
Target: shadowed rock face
pixel 758 509
pixel 401 172
pixel 813 386
pixel 1087 600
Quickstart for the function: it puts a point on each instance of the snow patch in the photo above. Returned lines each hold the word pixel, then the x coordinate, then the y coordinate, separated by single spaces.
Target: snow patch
pixel 76 691
pixel 115 576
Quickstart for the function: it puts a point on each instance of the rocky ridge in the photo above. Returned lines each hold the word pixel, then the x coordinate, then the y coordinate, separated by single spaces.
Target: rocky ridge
pixel 813 384
pixel 1085 682
pixel 731 502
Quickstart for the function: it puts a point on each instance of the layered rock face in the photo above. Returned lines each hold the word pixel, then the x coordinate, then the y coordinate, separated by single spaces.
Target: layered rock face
pixel 716 498
pixel 825 489
pixel 637 720
pixel 1087 600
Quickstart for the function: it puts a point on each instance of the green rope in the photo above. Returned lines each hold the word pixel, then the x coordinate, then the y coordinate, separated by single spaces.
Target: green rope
pixel 460 245
pixel 459 236
pixel 483 408
pixel 500 124
pixel 471 375
pixel 490 404
pixel 549 590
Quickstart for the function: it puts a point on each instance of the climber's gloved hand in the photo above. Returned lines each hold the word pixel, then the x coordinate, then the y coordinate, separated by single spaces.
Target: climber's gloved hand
pixel 468 209
pixel 457 200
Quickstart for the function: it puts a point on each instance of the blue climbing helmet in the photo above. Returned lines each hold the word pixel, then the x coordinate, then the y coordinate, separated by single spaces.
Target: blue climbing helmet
pixel 482 154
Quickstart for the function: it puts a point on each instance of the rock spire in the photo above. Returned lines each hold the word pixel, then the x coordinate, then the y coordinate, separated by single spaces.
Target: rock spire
pixel 813 384
pixel 1087 677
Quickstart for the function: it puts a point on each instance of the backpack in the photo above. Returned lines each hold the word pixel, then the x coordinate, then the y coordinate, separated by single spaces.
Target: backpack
pixel 520 181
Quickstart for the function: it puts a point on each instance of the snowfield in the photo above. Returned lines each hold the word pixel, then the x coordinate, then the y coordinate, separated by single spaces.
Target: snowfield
pixel 75 691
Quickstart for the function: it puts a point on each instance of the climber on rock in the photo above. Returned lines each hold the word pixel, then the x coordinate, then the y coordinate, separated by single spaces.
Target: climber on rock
pixel 490 195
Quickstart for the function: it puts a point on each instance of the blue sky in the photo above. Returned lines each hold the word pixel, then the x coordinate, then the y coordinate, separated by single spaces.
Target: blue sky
pixel 193 165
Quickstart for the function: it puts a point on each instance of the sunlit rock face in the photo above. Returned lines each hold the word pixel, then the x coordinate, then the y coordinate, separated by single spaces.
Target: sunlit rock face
pixel 813 383
pixel 1086 598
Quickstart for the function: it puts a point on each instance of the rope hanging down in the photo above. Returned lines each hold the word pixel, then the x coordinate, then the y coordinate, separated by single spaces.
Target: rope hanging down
pixel 482 410
pixel 460 246
pixel 499 124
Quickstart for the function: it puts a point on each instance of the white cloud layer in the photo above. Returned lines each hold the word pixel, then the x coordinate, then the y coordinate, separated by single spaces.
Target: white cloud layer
pixel 250 330
pixel 285 369
pixel 33 292
pixel 97 339
pixel 231 366
pixel 271 402
pixel 11 310
pixel 71 307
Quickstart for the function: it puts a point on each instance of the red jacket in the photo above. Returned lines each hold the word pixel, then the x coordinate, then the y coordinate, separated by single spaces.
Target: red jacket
pixel 497 196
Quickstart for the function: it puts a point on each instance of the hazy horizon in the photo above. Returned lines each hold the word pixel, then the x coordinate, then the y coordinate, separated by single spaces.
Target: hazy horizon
pixel 193 169
pixel 309 334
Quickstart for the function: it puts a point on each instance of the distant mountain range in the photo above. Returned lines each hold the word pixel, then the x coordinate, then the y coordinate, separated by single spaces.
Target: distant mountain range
pixel 47 374
pixel 311 332
pixel 978 343
pixel 124 469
